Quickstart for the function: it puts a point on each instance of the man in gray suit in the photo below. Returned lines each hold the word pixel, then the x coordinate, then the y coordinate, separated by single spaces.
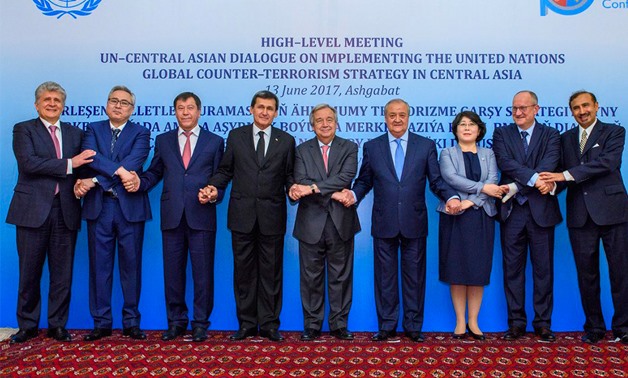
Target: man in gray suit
pixel 325 228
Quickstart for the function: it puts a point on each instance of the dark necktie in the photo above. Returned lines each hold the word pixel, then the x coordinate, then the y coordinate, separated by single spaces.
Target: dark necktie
pixel 114 137
pixel 261 145
pixel 524 139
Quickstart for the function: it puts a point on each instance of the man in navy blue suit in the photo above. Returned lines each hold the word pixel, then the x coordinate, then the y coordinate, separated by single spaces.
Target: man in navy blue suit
pixel 528 214
pixel 45 211
pixel 185 158
pixel 115 216
pixel 597 210
pixel 396 166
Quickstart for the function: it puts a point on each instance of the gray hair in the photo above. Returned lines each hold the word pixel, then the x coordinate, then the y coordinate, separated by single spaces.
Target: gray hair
pixel 535 98
pixel 125 89
pixel 49 86
pixel 394 101
pixel 320 107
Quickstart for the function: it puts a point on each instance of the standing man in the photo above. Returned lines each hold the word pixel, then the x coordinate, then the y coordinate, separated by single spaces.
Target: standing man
pixel 115 216
pixel 396 166
pixel 597 209
pixel 323 166
pixel 259 159
pixel 528 214
pixel 45 211
pixel 185 158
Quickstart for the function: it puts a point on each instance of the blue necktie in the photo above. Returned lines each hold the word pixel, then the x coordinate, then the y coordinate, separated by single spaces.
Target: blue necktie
pixel 524 139
pixel 115 133
pixel 399 159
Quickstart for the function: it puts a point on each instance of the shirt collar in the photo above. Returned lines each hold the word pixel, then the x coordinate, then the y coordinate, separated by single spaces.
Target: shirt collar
pixel 266 131
pixel 196 130
pixel 48 124
pixel 119 127
pixel 588 129
pixel 404 137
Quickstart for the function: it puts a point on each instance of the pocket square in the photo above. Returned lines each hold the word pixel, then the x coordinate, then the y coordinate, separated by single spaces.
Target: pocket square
pixel 596 145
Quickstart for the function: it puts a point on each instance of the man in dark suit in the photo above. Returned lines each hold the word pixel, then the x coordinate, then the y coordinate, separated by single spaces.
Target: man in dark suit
pixel 259 160
pixel 115 216
pixel 185 158
pixel 396 166
pixel 323 166
pixel 597 209
pixel 45 211
pixel 528 214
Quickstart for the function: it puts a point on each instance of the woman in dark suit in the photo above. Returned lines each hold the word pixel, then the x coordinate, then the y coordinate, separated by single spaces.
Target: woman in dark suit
pixel 466 238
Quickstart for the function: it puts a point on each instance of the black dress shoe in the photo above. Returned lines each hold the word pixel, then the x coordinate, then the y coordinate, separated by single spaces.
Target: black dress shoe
pixel 623 338
pixel 271 334
pixel 383 335
pixel 59 334
pixel 310 334
pixel 592 337
pixel 199 334
pixel 342 334
pixel 172 333
pixel 415 336
pixel 476 336
pixel 134 333
pixel 243 333
pixel 97 334
pixel 459 336
pixel 545 334
pixel 513 333
pixel 24 335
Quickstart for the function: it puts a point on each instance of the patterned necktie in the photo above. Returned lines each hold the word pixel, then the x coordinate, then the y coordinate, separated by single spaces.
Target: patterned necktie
pixel 325 158
pixel 114 137
pixel 399 159
pixel 55 141
pixel 187 149
pixel 583 141
pixel 261 145
pixel 524 139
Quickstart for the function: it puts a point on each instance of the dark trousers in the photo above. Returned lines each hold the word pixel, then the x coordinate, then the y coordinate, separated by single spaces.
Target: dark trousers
pixel 201 245
pixel 518 233
pixel 332 255
pixel 54 240
pixel 585 242
pixel 103 234
pixel 386 267
pixel 258 275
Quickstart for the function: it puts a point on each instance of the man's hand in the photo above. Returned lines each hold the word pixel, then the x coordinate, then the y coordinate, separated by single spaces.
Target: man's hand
pixel 494 190
pixel 82 186
pixel 298 191
pixel 124 174
pixel 207 194
pixel 84 157
pixel 544 187
pixel 453 206
pixel 345 197
pixel 552 177
pixel 465 204
pixel 132 185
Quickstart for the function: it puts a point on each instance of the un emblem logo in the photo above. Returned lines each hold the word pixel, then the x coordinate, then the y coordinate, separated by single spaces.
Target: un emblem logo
pixel 565 7
pixel 60 8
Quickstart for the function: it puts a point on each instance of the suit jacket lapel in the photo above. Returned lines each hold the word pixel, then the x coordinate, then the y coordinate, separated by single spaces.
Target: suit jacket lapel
pixel 516 140
pixel 386 152
pixel 66 144
pixel 334 154
pixel 172 144
pixel 411 151
pixel 316 154
pixel 273 145
pixel 534 140
pixel 44 134
pixel 198 149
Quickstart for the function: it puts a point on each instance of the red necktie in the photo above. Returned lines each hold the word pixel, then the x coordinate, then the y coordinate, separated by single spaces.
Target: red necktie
pixel 187 149
pixel 325 158
pixel 55 141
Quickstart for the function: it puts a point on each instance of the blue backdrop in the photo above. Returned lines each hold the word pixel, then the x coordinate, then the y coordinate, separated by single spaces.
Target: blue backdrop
pixel 442 57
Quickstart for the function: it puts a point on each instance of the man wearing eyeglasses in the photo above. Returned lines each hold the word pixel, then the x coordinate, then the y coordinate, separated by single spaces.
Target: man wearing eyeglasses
pixel 529 213
pixel 115 216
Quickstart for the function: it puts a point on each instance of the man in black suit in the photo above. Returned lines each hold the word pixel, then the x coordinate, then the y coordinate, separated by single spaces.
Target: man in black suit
pixel 45 211
pixel 325 228
pixel 528 214
pixel 259 160
pixel 597 209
